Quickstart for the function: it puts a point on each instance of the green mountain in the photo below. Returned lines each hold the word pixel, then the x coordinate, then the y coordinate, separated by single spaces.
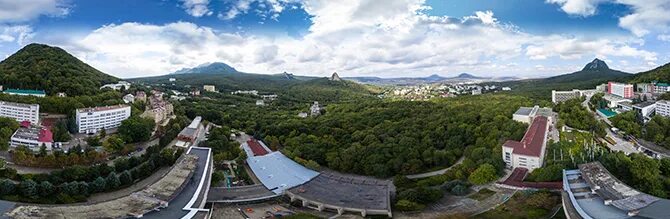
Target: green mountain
pixel 594 73
pixel 660 74
pixel 43 67
pixel 216 67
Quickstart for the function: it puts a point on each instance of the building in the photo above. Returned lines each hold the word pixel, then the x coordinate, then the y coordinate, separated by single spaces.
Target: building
pixel 209 88
pixel 31 136
pixel 61 94
pixel 663 108
pixel 250 92
pixel 593 192
pixel 128 98
pixel 20 111
pixel 621 90
pixel 158 109
pixel 189 135
pixel 118 86
pixel 562 96
pixel 644 110
pixel 613 101
pixel 194 92
pixel 172 79
pixel 660 88
pixel 260 103
pixel 315 109
pixel 36 93
pixel 529 152
pixel 476 91
pixel 302 115
pixel 91 120
pixel 140 96
pixel 601 88
pixel 269 97
pixel 644 88
pixel 528 114
pixel 506 89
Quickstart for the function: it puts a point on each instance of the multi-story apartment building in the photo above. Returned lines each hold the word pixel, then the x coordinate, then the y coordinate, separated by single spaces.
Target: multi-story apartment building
pixel 20 111
pixel 660 88
pixel 91 120
pixel 621 90
pixel 663 108
pixel 209 88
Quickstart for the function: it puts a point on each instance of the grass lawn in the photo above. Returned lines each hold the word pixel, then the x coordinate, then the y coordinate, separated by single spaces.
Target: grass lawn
pixel 528 205
pixel 482 194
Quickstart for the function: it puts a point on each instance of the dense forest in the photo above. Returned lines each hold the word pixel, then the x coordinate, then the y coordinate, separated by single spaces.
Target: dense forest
pixel 42 67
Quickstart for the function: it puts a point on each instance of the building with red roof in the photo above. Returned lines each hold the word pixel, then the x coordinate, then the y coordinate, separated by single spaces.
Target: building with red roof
pixel 529 152
pixel 32 136
pixel 256 148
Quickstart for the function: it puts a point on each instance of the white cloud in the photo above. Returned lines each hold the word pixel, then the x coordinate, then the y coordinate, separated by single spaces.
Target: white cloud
pixel 266 8
pixel 354 37
pixel 16 33
pixel 645 16
pixel 663 37
pixel 197 8
pixel 25 10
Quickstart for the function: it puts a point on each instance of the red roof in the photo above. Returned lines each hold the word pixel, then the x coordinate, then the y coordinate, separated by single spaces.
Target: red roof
pixel 25 123
pixel 519 174
pixel 45 136
pixel 256 148
pixel 531 144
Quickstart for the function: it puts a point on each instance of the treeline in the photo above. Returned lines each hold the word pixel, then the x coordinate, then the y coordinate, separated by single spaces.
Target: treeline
pixel 7 128
pixel 657 130
pixel 67 105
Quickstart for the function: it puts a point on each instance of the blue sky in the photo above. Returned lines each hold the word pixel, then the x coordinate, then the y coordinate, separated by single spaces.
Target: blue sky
pixel 525 38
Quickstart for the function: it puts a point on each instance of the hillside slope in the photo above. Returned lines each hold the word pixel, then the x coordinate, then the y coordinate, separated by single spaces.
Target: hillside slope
pixel 660 74
pixel 43 67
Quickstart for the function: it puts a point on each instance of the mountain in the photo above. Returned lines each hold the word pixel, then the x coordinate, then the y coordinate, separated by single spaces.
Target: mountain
pixel 594 73
pixel 434 78
pixel 596 70
pixel 216 67
pixel 43 67
pixel 660 74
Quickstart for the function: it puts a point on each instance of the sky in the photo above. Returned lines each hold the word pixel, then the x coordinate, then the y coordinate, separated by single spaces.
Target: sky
pixel 384 38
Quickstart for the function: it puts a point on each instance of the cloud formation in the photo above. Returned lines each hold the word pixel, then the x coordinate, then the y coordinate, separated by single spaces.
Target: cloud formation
pixel 353 37
pixel 197 8
pixel 24 10
pixel 645 16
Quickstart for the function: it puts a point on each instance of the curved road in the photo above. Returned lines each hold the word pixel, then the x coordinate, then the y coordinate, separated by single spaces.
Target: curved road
pixel 436 172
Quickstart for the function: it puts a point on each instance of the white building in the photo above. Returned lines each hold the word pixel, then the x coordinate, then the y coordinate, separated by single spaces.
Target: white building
pixel 644 110
pixel 476 91
pixel 315 109
pixel 529 152
pixel 173 79
pixel 250 92
pixel 32 137
pixel 20 111
pixel 620 90
pixel 118 86
pixel 663 108
pixel 91 120
pixel 209 88
pixel 528 114
pixel 128 98
pixel 260 103
pixel 613 101
pixel 506 88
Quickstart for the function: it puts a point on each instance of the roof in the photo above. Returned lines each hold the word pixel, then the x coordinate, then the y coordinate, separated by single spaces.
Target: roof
pixel 19 91
pixel 195 123
pixel 644 104
pixel 533 140
pixel 34 133
pixel 25 105
pixel 346 191
pixel 524 111
pixel 256 148
pixel 278 173
pixel 45 136
pixel 102 108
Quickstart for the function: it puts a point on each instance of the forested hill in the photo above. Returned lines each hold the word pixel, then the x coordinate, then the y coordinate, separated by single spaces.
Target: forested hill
pixel 661 74
pixel 43 67
pixel 594 73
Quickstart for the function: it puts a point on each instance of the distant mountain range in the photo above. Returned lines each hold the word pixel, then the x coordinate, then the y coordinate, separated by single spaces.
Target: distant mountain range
pixel 596 70
pixel 463 77
pixel 216 67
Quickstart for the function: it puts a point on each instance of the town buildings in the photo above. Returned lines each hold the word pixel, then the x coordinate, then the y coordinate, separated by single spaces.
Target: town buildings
pixel 36 93
pixel 20 111
pixel 140 96
pixel 315 109
pixel 562 96
pixel 663 108
pixel 128 98
pixel 91 120
pixel 528 114
pixel 250 92
pixel 158 109
pixel 529 152
pixel 118 86
pixel 620 90
pixel 32 137
pixel 188 136
pixel 209 88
